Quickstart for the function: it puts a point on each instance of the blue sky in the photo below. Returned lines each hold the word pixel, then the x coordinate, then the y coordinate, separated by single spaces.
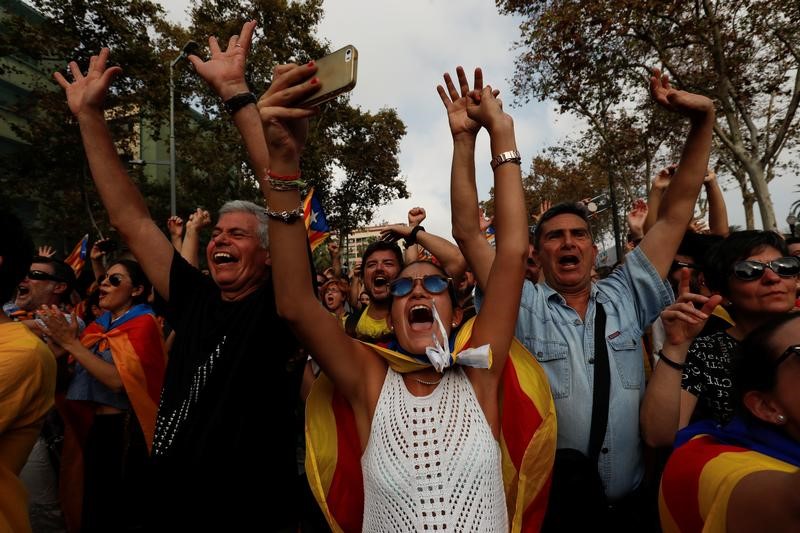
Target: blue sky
pixel 405 47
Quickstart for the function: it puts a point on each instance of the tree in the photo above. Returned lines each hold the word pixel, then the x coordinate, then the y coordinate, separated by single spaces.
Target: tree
pixel 591 56
pixel 362 146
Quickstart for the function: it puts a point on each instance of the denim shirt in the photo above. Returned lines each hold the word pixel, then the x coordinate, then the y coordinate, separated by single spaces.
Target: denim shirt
pixel 632 297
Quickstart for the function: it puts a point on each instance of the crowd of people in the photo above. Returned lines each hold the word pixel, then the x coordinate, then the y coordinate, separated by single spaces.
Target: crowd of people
pixel 486 385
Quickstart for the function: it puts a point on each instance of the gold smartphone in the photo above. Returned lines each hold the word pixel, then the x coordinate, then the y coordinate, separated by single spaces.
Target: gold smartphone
pixel 337 75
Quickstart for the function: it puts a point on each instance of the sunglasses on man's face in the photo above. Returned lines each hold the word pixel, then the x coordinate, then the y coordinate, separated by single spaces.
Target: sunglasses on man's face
pixel 40 275
pixel 791 350
pixel 785 267
pixel 114 279
pixel 433 283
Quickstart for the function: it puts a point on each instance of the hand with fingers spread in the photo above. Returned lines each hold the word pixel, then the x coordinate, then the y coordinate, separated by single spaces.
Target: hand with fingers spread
pixel 87 93
pixel 416 215
pixel 455 101
pixel 692 105
pixel 47 251
pixel 224 71
pixel 662 179
pixel 285 126
pixel 682 320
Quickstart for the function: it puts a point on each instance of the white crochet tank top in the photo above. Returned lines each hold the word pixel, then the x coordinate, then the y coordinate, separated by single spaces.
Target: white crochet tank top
pixel 432 463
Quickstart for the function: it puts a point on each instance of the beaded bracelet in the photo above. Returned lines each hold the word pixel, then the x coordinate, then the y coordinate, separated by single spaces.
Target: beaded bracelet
pixel 285 216
pixel 290 177
pixel 283 186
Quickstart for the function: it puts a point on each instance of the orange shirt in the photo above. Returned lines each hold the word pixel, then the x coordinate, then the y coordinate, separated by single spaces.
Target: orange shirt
pixel 27 386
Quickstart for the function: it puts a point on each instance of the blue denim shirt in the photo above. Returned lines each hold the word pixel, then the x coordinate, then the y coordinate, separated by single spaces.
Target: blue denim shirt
pixel 632 297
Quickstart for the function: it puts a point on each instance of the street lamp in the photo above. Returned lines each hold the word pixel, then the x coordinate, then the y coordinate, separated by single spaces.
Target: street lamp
pixel 792 221
pixel 189 48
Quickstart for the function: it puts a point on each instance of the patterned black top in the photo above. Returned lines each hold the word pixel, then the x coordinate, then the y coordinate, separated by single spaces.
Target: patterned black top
pixel 708 375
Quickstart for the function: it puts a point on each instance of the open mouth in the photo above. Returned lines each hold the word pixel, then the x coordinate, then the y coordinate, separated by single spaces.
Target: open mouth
pixel 222 258
pixel 420 318
pixel 569 261
pixel 23 290
pixel 380 281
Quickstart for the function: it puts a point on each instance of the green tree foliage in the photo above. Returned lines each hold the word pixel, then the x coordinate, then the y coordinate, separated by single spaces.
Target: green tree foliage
pixel 351 157
pixel 591 58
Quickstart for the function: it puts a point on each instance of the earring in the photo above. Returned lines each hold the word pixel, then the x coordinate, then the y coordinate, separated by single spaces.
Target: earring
pixel 781 419
pixel 454 324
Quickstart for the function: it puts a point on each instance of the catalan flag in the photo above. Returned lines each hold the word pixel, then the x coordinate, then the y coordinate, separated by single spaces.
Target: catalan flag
pixel 707 465
pixel 316 225
pixel 77 257
pixel 527 441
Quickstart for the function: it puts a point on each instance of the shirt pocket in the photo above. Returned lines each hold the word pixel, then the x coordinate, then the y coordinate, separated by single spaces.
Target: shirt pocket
pixel 628 360
pixel 552 355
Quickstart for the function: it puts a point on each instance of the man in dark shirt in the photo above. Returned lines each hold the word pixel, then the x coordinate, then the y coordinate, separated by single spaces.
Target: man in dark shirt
pixel 225 422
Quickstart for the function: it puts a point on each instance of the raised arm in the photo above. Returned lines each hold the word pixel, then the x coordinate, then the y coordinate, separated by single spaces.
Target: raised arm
pixel 661 411
pixel 717 211
pixel 443 250
pixel 416 215
pixel 336 258
pixel 175 228
pixel 123 201
pixel 347 362
pixel 677 207
pixel 191 243
pixel 463 191
pixel 657 189
pixel 498 314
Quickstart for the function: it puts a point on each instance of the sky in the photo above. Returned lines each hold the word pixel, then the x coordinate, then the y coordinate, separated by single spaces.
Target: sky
pixel 404 47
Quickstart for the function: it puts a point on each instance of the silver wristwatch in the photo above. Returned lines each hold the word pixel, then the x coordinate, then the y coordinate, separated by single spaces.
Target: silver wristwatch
pixel 506 157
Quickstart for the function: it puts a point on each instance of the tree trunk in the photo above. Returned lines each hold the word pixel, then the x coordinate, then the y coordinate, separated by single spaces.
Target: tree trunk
pixel 762 196
pixel 748 200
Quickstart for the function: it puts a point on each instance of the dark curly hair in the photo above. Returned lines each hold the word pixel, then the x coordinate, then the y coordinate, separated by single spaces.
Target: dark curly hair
pixel 737 246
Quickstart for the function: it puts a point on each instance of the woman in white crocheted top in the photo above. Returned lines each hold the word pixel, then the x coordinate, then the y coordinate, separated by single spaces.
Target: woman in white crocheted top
pixel 431 458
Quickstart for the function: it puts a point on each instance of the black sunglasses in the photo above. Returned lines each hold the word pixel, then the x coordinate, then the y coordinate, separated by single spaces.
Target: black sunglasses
pixel 433 283
pixel 114 279
pixel 791 350
pixel 42 276
pixel 677 265
pixel 785 267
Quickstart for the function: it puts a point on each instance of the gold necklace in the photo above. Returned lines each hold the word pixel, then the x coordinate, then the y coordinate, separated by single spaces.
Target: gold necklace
pixel 428 382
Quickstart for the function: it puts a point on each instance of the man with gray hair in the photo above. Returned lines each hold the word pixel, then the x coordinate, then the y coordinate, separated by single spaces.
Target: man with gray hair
pixel 229 377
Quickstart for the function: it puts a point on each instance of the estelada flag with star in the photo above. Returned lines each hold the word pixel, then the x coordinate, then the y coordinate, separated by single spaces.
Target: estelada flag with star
pixel 77 257
pixel 316 225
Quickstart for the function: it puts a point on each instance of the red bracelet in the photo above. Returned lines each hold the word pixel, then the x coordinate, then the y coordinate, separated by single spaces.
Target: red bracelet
pixel 290 177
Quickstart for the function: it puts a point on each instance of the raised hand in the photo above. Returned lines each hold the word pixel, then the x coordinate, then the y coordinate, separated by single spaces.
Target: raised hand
pixel 543 207
pixel 636 217
pixel 710 176
pixel 199 219
pixel 46 251
pixel 394 232
pixel 97 252
pixel 456 102
pixel 415 216
pixel 486 109
pixel 698 225
pixel 662 179
pixel 86 94
pixel 224 71
pixel 683 102
pixel 285 126
pixel 175 226
pixel 333 248
pixel 682 320
pixel 483 221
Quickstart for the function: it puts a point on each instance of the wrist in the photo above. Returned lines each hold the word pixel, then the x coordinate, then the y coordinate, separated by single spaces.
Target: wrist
pixel 467 140
pixel 230 90
pixel 502 124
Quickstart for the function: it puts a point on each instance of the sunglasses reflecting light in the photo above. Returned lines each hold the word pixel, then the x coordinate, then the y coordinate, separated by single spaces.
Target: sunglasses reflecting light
pixel 433 283
pixel 785 267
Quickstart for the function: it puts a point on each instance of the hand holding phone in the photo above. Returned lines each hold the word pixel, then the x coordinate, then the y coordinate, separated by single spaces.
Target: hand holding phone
pixel 337 75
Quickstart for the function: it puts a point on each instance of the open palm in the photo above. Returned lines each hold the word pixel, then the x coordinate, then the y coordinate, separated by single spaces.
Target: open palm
pixel 456 103
pixel 88 92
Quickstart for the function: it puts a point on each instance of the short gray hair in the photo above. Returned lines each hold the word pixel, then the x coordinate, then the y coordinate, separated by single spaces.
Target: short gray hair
pixel 243 206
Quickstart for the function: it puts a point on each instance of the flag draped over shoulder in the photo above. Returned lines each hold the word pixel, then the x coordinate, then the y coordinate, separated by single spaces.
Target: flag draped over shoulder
pixel 527 440
pixel 707 465
pixel 77 256
pixel 316 224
